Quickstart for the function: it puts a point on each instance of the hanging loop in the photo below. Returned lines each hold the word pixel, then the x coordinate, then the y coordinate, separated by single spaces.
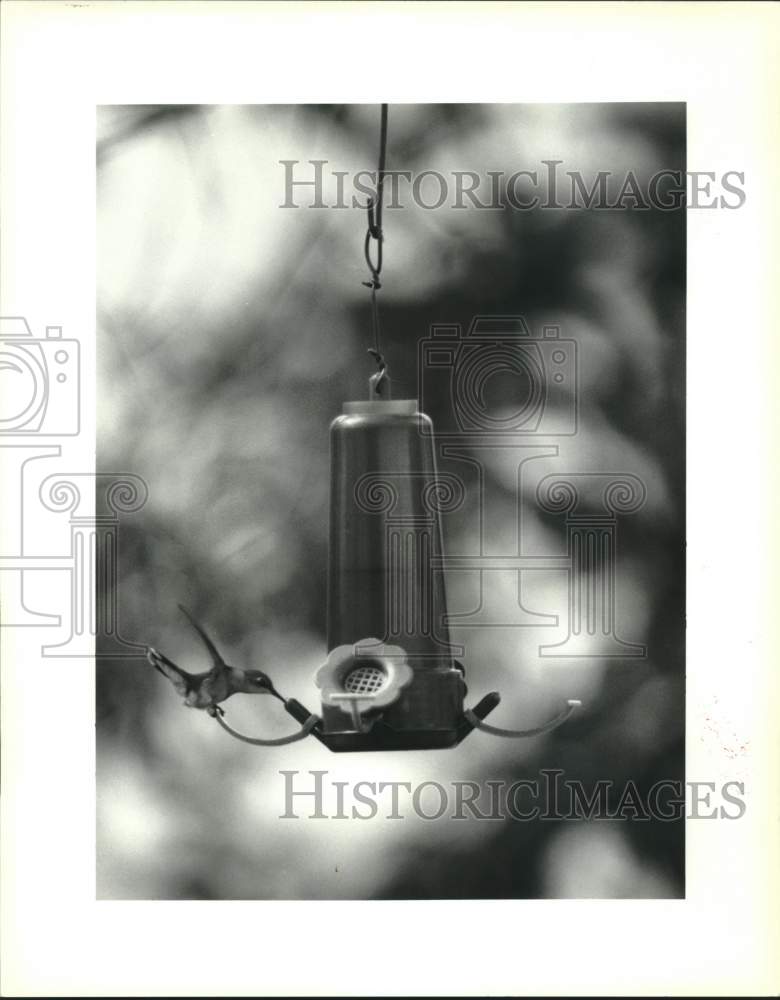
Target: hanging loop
pixel 379 383
pixel 374 268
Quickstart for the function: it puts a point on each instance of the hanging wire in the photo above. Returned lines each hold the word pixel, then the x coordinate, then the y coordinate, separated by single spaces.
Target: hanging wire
pixel 379 382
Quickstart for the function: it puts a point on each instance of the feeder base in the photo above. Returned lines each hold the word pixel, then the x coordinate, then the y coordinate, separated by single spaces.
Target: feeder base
pixel 382 737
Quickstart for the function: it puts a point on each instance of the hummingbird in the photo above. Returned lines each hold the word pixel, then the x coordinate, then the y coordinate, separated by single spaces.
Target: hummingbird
pixel 212 686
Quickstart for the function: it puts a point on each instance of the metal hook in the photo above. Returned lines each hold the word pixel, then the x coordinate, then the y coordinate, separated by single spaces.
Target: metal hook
pixel 379 383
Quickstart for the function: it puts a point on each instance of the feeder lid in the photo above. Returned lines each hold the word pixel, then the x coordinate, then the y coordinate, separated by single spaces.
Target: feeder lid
pixel 377 407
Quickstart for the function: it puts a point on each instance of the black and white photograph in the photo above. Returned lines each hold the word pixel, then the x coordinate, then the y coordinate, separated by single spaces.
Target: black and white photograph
pixel 395 455
pixel 388 487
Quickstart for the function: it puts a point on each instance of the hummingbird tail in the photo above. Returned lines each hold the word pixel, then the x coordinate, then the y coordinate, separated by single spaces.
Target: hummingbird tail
pixel 154 658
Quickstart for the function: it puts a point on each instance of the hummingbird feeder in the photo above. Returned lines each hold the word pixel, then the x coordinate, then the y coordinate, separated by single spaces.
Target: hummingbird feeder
pixel 390 680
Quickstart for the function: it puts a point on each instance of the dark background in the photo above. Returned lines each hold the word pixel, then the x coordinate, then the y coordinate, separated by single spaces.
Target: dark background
pixel 230 332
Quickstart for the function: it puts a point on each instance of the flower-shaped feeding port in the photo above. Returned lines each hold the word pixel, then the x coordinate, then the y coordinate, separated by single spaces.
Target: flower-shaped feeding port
pixel 360 681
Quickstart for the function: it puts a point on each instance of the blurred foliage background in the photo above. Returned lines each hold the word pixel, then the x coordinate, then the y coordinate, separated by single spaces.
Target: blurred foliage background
pixel 230 331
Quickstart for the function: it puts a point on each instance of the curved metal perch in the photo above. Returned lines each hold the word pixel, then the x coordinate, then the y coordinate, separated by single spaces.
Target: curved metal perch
pixel 516 734
pixel 306 728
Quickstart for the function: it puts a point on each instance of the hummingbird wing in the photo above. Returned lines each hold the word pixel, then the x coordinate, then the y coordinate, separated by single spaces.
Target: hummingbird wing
pixel 218 663
pixel 181 680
